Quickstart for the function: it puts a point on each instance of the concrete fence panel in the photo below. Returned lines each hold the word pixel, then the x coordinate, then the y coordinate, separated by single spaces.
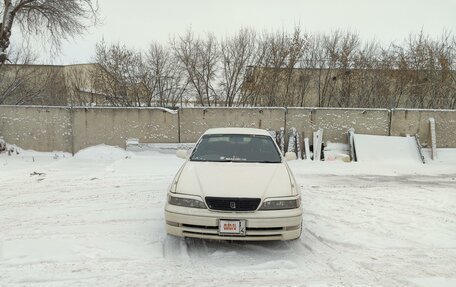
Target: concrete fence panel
pixel 404 121
pixel 66 129
pixel 37 128
pixel 113 126
pixel 336 122
pixel 194 121
pixel 301 119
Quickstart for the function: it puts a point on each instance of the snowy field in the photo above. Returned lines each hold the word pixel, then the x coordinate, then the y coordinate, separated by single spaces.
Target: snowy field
pixel 97 220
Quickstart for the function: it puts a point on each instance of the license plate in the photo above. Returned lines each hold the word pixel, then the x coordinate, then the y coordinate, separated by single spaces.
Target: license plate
pixel 232 227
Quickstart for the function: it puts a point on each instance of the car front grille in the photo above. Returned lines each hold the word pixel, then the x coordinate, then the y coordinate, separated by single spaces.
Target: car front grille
pixel 252 233
pixel 232 203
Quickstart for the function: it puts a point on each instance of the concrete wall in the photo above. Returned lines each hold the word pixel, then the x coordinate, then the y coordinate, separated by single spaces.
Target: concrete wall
pixel 301 119
pixel 194 121
pixel 336 122
pixel 113 126
pixel 65 129
pixel 417 122
pixel 37 128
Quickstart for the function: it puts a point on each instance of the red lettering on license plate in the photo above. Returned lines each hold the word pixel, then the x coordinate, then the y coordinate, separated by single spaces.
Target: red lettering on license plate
pixel 235 227
pixel 230 226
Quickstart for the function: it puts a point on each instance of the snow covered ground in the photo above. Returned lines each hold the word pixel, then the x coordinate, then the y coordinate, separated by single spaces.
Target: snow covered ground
pixel 97 220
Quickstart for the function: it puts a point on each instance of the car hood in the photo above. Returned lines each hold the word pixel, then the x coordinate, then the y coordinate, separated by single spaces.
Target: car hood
pixel 230 179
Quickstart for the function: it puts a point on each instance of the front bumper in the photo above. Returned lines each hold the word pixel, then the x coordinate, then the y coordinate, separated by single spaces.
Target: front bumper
pixel 260 225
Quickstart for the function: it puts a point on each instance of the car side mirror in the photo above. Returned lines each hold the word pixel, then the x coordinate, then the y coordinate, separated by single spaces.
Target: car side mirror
pixel 182 153
pixel 290 156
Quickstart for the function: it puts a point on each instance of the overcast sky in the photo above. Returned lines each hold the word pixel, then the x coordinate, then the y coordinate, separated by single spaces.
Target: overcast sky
pixel 138 22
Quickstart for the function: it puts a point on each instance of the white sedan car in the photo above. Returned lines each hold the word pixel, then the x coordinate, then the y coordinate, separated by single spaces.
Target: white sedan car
pixel 235 185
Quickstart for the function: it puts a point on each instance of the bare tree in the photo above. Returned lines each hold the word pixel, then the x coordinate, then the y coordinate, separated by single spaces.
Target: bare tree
pixel 252 88
pixel 238 52
pixel 53 19
pixel 297 46
pixel 166 82
pixel 122 75
pixel 247 69
pixel 307 67
pixel 278 52
pixel 200 59
pixel 325 50
pixel 421 72
pixel 336 70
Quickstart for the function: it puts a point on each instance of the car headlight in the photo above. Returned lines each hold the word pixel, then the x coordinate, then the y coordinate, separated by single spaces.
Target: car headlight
pixel 187 202
pixel 281 204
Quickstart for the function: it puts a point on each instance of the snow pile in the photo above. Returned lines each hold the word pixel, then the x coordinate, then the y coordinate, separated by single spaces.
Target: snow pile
pixel 7 148
pixel 444 156
pixel 103 152
pixel 336 151
pixel 2 145
pixel 132 142
pixel 171 111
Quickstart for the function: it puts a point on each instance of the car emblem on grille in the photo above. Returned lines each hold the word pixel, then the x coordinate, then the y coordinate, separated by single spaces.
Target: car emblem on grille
pixel 232 204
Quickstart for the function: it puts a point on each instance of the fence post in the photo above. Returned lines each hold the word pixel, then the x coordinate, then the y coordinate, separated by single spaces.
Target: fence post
pixel 72 128
pixel 433 138
pixel 179 124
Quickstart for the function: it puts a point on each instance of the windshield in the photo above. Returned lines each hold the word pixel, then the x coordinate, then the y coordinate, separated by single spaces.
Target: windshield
pixel 236 148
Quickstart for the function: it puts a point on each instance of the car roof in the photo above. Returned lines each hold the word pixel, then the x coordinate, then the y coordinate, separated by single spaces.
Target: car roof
pixel 242 131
